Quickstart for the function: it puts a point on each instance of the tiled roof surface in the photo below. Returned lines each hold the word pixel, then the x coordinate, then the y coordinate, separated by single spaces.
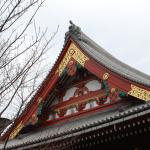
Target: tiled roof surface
pixel 80 124
pixel 70 127
pixel 105 58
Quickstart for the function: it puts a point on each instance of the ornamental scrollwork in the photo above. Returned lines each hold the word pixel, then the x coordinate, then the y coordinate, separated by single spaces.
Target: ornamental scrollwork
pixel 16 130
pixel 139 93
pixel 75 53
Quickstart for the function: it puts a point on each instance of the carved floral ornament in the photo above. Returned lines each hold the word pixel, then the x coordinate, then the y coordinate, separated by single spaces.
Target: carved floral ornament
pixel 19 127
pixel 75 53
pixel 16 130
pixel 135 91
pixel 106 76
pixel 113 93
pixel 139 93
pixel 81 105
pixel 39 100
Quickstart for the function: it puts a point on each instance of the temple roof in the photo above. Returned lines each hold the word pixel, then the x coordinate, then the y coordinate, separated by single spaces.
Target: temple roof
pixel 73 126
pixel 106 59
pixel 77 126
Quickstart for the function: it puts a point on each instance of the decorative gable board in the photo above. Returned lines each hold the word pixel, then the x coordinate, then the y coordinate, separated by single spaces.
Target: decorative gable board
pixel 113 83
pixel 72 52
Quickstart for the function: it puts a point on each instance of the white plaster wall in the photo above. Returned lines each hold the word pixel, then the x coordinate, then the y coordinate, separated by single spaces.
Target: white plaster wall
pixel 93 85
pixel 51 116
pixel 94 104
pixel 68 112
pixel 71 111
pixel 56 116
pixel 69 93
pixel 87 106
pixel 107 101
pixel 90 105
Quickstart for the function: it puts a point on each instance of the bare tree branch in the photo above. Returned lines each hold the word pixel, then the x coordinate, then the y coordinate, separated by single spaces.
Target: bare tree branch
pixel 21 55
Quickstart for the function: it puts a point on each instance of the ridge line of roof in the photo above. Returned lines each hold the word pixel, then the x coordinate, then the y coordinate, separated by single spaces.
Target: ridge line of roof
pixel 105 58
pixel 130 112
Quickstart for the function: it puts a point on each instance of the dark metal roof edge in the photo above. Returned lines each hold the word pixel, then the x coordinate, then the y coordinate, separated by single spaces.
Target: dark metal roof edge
pixel 131 73
pixel 123 116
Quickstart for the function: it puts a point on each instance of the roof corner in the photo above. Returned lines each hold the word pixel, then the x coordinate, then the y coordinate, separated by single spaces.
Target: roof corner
pixel 74 31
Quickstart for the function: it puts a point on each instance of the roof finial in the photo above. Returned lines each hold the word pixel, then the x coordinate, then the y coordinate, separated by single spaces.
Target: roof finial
pixel 71 22
pixel 74 30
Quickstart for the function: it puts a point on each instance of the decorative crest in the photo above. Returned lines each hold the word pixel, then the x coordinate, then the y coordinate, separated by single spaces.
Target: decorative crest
pixel 74 31
pixel 139 93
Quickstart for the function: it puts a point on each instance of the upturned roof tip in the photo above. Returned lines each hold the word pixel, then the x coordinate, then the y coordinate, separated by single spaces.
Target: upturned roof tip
pixel 74 29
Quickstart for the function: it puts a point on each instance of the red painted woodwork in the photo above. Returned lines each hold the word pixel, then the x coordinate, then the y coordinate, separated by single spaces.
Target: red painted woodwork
pixel 84 81
pixel 80 114
pixel 76 100
pixel 80 103
pixel 62 112
pixel 81 106
pixel 81 90
pixel 71 67
pixel 115 80
pixel 28 113
pixel 43 96
pixel 101 101
pixel 45 88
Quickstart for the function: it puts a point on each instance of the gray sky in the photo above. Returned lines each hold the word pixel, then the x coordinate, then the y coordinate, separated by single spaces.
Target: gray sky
pixel 122 27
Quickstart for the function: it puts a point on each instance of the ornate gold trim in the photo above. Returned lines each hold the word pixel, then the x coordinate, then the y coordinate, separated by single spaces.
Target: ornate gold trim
pixel 139 93
pixel 77 103
pixel 113 90
pixel 106 76
pixel 39 100
pixel 72 52
pixel 16 130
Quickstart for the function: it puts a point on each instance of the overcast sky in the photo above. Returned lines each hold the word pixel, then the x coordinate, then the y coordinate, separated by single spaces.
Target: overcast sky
pixel 122 27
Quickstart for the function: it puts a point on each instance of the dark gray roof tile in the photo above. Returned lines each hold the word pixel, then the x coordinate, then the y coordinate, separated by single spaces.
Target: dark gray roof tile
pixel 105 58
pixel 73 126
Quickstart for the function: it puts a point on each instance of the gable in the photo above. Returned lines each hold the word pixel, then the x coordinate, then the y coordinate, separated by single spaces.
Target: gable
pixel 96 95
pixel 73 54
pixel 48 85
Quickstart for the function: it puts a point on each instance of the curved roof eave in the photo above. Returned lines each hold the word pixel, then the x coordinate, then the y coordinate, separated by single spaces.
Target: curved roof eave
pixel 105 58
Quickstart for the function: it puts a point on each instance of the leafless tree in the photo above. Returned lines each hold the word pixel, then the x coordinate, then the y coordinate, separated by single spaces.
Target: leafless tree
pixel 21 55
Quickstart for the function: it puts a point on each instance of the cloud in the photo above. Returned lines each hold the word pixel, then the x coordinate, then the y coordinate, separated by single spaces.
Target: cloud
pixel 119 26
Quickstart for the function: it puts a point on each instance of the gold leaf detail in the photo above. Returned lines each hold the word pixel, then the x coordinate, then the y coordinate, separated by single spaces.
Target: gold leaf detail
pixel 16 130
pixel 39 100
pixel 113 90
pixel 73 52
pixel 139 93
pixel 105 76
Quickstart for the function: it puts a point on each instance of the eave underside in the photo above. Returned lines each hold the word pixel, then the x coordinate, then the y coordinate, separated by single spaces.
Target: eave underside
pixel 78 126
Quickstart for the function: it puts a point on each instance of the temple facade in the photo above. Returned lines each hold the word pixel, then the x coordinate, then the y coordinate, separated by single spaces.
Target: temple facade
pixel 89 100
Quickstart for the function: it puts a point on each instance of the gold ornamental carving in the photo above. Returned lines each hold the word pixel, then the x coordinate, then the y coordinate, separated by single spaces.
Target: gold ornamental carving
pixel 139 93
pixel 39 100
pixel 76 104
pixel 113 90
pixel 72 52
pixel 16 130
pixel 105 76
